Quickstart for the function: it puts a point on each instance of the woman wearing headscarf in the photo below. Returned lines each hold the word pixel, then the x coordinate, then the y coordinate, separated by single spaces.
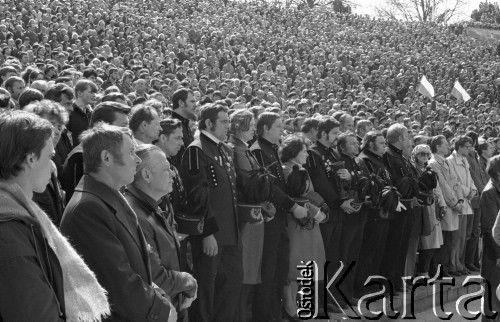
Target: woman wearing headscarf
pixel 41 275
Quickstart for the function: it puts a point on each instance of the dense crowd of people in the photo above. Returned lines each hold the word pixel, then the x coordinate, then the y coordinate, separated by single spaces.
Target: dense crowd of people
pixel 177 160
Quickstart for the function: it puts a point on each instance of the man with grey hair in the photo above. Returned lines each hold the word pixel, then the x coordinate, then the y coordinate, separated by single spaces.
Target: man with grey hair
pixel 401 175
pixel 152 182
pixel 363 127
pixel 346 123
pixel 40 85
pixel 104 229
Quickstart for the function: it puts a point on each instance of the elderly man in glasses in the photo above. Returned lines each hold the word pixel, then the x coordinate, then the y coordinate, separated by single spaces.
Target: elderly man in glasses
pixel 152 182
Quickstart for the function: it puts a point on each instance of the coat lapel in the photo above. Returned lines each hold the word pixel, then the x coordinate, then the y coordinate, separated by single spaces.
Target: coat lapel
pixel 121 210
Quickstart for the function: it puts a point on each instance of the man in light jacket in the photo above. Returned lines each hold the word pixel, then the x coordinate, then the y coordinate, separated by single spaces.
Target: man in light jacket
pixel 449 186
pixel 460 166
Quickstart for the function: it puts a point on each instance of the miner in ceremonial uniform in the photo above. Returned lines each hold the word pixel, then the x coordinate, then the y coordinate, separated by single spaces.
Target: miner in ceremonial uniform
pixel 267 298
pixel 170 141
pixel 217 251
pixel 352 210
pixel 401 175
pixel 377 226
pixel 183 104
pixel 321 165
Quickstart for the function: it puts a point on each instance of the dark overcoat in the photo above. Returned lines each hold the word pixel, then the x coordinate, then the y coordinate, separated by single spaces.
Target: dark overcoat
pixel 31 279
pixel 104 230
pixel 161 236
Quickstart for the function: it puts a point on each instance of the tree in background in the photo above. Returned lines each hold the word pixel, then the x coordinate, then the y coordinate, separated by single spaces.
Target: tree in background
pixel 487 13
pixel 438 11
pixel 340 6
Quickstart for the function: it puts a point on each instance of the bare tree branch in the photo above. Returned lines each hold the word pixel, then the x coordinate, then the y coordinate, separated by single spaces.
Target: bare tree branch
pixel 439 11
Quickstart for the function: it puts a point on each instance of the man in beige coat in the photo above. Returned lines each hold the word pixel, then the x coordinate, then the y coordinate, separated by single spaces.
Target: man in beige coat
pixel 460 166
pixel 448 183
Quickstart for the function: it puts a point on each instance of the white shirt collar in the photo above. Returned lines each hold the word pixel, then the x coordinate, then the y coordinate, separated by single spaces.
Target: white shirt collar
pixel 211 137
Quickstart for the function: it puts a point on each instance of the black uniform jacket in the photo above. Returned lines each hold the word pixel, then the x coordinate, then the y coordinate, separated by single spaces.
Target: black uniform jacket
pixel 104 230
pixel 63 148
pixel 187 138
pixel 266 154
pixel 178 196
pixel 72 171
pixel 325 182
pixel 399 167
pixel 374 164
pixel 79 121
pixel 206 161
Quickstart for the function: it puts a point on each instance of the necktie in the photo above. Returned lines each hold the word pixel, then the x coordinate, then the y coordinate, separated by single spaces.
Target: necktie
pixel 222 152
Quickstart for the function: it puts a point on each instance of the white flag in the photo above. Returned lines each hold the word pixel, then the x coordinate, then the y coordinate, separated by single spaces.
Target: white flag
pixel 459 92
pixel 425 88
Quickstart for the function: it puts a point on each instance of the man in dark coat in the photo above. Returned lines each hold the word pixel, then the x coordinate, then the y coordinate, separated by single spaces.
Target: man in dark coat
pixel 377 227
pixel 152 182
pixel 217 251
pixel 183 104
pixel 52 199
pixel 63 94
pixel 393 262
pixel 276 248
pixel 490 205
pixel 353 219
pixel 480 179
pixel 321 169
pixel 170 141
pixel 324 170
pixel 108 112
pixel 104 229
pixel 79 118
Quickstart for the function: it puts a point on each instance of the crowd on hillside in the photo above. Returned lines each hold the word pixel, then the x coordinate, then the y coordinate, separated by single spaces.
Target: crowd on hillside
pixel 176 160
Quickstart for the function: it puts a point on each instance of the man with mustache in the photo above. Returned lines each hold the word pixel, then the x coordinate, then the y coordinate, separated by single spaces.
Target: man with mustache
pixel 217 251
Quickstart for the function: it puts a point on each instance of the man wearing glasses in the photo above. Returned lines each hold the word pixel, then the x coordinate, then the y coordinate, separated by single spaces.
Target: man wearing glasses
pixel 460 166
pixel 152 182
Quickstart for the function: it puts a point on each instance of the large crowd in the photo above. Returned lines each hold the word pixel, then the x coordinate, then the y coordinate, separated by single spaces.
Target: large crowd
pixel 177 160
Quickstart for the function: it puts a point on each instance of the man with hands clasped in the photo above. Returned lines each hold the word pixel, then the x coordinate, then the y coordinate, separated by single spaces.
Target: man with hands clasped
pixel 460 166
pixel 152 182
pixel 320 165
pixel 353 218
pixel 275 255
pixel 448 182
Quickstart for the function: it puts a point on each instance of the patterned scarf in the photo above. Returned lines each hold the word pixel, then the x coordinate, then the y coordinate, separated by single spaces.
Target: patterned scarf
pixel 85 299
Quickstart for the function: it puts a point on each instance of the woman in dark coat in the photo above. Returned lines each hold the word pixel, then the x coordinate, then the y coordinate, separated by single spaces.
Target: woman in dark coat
pixel 252 233
pixel 490 206
pixel 306 243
